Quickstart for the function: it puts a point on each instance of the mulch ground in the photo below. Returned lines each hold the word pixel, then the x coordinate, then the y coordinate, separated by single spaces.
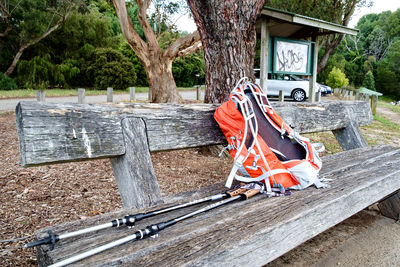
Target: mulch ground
pixel 37 197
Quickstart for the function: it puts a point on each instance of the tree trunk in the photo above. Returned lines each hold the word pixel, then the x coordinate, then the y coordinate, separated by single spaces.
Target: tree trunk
pixel 157 63
pixel 228 34
pixel 161 82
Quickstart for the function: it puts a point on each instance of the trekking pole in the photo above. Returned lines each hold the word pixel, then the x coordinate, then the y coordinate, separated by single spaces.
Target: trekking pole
pixel 152 230
pixel 129 220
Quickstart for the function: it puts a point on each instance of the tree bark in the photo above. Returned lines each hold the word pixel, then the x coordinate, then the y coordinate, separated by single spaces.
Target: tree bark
pixel 161 81
pixel 228 34
pixel 157 63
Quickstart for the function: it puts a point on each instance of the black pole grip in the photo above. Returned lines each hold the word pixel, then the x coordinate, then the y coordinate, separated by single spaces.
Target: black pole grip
pixel 50 240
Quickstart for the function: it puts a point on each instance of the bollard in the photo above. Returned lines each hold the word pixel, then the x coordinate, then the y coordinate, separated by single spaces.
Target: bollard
pixel 318 96
pixel 346 94
pixel 198 92
pixel 281 97
pixel 357 96
pixel 132 94
pixel 40 95
pixel 81 95
pixel 351 95
pixel 109 94
pixel 374 103
pixel 150 95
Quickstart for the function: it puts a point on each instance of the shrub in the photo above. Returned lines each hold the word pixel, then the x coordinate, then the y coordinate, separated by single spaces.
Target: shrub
pixel 369 81
pixel 109 68
pixel 6 83
pixel 337 79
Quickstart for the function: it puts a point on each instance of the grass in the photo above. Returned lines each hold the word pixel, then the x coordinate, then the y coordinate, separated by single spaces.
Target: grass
pixel 387 123
pixel 26 93
pixel 394 108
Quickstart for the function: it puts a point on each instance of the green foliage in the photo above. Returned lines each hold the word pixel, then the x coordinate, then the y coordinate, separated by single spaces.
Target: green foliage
pixel 6 83
pixel 109 68
pixel 337 79
pixel 387 82
pixel 36 73
pixel 337 61
pixel 189 71
pixel 369 81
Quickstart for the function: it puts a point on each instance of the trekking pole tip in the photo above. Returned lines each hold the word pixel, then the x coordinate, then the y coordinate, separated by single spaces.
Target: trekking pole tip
pixel 50 240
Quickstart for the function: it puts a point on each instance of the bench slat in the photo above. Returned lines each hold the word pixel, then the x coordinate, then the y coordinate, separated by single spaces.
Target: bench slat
pixel 51 133
pixel 255 231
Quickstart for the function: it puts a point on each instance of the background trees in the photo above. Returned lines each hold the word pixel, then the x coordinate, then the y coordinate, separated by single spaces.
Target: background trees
pixel 66 57
pixel 79 30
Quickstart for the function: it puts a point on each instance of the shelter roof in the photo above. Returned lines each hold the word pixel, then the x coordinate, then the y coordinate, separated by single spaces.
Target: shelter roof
pixel 364 90
pixel 291 25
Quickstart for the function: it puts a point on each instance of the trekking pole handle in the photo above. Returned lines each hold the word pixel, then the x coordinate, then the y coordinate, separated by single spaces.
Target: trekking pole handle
pixel 249 193
pixel 236 192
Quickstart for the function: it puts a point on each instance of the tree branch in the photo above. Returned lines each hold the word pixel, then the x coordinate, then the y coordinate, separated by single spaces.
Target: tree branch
pixel 138 45
pixel 176 48
pixel 35 41
pixel 148 31
pixel 5 16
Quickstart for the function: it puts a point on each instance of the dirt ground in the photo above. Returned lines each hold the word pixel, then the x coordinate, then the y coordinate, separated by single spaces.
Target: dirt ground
pixel 37 197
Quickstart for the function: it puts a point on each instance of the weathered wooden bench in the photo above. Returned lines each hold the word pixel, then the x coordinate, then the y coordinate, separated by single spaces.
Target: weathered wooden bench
pixel 253 232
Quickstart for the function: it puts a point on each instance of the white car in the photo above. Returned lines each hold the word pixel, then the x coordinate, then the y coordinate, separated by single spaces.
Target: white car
pixel 291 85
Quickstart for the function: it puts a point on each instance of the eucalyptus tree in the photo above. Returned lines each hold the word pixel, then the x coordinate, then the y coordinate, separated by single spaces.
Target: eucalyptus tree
pixel 228 35
pixel 156 60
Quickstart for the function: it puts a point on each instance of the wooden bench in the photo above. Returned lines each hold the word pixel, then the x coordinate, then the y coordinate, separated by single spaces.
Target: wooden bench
pixel 253 232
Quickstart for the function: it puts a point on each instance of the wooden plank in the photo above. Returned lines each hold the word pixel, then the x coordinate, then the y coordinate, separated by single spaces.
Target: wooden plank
pixel 258 230
pixel 50 133
pixel 133 171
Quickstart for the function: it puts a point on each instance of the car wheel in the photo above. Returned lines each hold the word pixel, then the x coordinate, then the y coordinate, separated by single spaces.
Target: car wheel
pixel 299 95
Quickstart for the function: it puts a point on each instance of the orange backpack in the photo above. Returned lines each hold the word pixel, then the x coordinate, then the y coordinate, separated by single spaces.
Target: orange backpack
pixel 263 146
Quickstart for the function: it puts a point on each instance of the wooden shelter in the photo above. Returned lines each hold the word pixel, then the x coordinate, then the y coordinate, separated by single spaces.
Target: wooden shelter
pixel 286 25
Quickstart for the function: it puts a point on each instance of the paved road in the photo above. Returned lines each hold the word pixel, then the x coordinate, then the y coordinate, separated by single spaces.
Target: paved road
pixel 10 104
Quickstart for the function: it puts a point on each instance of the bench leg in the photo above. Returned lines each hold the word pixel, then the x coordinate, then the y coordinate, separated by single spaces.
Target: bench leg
pixel 134 171
pixel 350 137
pixel 390 206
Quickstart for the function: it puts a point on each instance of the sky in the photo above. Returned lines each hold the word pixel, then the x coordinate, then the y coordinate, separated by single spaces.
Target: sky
pixel 185 23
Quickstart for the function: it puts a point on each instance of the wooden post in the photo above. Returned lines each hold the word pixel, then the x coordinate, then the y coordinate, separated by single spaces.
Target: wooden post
pixel 40 95
pixel 336 91
pixel 318 96
pixel 346 94
pixel 81 96
pixel 264 54
pixel 198 92
pixel 132 93
pixel 374 103
pixel 150 95
pixel 313 78
pixel 390 207
pixel 110 94
pixel 281 97
pixel 134 171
